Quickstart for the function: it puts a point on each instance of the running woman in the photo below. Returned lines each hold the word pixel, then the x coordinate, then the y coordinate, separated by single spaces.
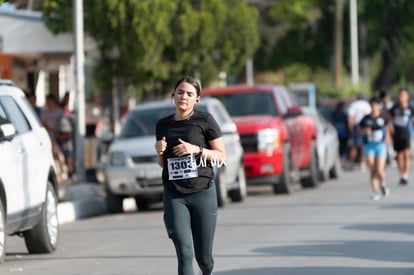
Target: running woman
pixel 373 128
pixel 401 116
pixel 188 143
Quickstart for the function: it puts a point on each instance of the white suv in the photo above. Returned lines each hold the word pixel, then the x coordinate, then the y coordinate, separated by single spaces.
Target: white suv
pixel 28 186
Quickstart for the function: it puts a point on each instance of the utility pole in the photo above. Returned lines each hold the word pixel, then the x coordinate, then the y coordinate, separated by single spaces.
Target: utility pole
pixel 80 90
pixel 353 14
pixel 249 72
pixel 338 41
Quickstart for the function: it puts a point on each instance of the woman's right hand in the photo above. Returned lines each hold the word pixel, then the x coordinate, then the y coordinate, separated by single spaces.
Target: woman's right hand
pixel 161 145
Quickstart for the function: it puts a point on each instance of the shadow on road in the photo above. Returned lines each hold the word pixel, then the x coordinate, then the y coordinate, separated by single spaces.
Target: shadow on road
pixel 337 270
pixel 405 228
pixel 384 251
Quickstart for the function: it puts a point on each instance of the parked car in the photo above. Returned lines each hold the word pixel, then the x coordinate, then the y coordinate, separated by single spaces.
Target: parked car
pixel 131 169
pixel 28 186
pixel 276 136
pixel 327 146
pixel 328 105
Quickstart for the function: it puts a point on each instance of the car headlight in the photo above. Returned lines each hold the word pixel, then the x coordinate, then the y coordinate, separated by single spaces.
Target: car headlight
pixel 268 139
pixel 117 159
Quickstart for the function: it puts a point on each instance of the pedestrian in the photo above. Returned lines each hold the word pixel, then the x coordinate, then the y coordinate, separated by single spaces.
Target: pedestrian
pixel 31 96
pixel 64 138
pixel 373 128
pixel 189 142
pixel 357 110
pixel 340 121
pixel 401 115
pixel 386 105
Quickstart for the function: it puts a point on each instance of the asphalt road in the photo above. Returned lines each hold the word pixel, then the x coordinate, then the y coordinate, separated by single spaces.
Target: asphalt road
pixel 334 229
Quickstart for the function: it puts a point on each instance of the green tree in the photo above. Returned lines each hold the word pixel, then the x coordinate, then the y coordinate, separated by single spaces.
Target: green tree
pixel 390 36
pixel 295 31
pixel 301 32
pixel 148 41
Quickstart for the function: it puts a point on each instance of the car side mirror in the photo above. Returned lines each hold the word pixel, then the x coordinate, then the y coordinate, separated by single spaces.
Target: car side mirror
pixel 294 111
pixel 7 132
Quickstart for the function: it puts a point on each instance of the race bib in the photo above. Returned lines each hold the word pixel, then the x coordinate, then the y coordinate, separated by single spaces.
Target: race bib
pixel 376 136
pixel 182 168
pixel 401 121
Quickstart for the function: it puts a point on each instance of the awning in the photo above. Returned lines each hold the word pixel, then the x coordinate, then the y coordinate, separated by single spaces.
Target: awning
pixel 23 32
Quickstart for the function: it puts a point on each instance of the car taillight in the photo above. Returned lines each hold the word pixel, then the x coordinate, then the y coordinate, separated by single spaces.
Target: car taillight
pixel 268 139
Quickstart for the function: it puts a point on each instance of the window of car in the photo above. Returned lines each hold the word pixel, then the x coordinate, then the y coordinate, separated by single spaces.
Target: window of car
pixel 249 103
pixel 219 115
pixel 142 122
pixel 281 104
pixel 15 114
pixel 3 116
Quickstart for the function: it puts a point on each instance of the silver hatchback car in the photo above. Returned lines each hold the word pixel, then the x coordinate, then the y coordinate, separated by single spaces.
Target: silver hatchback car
pixel 131 169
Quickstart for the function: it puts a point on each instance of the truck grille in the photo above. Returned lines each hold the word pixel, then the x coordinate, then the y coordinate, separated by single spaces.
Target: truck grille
pixel 249 142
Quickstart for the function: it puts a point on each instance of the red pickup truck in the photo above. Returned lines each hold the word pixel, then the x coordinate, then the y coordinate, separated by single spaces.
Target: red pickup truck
pixel 277 138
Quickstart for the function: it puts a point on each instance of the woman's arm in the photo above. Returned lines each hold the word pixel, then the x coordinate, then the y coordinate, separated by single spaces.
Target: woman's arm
pixel 216 153
pixel 160 147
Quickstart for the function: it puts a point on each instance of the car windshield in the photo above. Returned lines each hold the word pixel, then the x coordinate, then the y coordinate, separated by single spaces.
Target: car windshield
pixel 140 123
pixel 251 103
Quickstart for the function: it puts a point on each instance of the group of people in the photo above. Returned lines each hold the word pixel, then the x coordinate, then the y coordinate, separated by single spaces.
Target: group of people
pixel 379 132
pixel 56 117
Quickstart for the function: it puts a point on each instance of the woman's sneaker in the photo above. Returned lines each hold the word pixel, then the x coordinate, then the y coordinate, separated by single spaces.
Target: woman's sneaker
pixel 375 196
pixel 385 191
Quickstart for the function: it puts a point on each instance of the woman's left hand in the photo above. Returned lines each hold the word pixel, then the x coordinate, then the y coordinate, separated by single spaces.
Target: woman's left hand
pixel 184 148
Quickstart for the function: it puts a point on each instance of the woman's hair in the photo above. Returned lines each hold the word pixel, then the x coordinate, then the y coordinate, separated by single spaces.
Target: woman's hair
pixel 190 80
pixel 375 99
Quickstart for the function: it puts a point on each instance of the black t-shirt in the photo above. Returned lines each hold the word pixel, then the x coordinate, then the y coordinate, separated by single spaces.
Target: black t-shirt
pixel 199 129
pixel 377 125
pixel 401 119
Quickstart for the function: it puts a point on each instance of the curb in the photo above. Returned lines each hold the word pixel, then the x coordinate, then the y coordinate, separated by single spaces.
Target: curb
pixel 74 210
pixel 81 200
pixel 84 200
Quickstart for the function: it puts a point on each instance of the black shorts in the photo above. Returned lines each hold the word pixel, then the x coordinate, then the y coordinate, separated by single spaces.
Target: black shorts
pixel 401 144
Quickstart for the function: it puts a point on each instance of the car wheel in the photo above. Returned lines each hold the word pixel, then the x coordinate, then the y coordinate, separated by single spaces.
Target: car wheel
pixel 221 188
pixel 313 179
pixel 114 203
pixel 336 170
pixel 43 238
pixel 238 194
pixel 285 185
pixel 142 203
pixel 2 232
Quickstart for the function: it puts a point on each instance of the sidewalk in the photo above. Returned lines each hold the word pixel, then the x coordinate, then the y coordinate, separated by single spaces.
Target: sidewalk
pixel 84 199
pixel 80 200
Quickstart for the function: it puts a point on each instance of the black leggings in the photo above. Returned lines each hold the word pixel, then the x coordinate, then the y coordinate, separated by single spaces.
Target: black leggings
pixel 191 219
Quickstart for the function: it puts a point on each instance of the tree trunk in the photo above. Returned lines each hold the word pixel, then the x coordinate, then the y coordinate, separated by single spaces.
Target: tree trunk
pixel 385 77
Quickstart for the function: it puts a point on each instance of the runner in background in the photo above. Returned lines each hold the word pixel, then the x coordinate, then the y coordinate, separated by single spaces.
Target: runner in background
pixel 373 128
pixel 357 110
pixel 401 115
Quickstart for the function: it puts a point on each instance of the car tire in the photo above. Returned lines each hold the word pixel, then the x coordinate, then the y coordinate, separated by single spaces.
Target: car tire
pixel 285 185
pixel 312 180
pixel 3 232
pixel 240 193
pixel 114 203
pixel 221 187
pixel 142 203
pixel 43 238
pixel 336 170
